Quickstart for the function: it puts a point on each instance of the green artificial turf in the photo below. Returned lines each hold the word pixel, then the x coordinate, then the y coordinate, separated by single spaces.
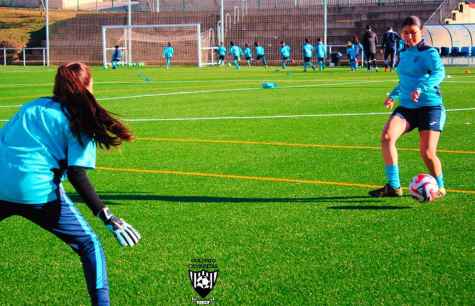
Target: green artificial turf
pixel 280 202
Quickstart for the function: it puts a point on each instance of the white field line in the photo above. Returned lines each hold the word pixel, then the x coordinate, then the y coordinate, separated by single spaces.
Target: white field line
pixel 192 92
pixel 182 81
pixel 275 116
pixel 272 116
pixel 10 106
pixel 176 93
pixel 212 81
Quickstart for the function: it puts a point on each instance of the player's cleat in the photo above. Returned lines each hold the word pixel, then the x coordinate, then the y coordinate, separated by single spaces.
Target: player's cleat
pixel 442 192
pixel 386 191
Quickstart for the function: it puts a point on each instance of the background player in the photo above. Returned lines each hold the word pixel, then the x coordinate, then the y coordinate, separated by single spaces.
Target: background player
pixel 116 56
pixel 370 40
pixel 321 53
pixel 390 43
pixel 221 50
pixel 167 53
pixel 307 53
pixel 351 54
pixel 236 53
pixel 247 54
pixel 284 55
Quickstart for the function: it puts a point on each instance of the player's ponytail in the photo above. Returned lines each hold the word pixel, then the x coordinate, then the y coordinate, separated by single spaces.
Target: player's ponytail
pixel 85 114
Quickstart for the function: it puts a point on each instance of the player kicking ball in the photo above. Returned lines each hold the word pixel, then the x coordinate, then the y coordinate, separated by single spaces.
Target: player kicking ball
pixel 52 137
pixel 420 73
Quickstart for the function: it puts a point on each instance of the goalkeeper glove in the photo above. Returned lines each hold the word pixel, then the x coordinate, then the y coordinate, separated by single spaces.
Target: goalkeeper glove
pixel 125 234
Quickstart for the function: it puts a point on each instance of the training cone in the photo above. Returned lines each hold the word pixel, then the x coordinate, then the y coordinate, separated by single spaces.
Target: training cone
pixel 269 85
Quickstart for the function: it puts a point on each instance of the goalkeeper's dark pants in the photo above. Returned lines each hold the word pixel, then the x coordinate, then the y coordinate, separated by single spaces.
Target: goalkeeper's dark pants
pixel 64 220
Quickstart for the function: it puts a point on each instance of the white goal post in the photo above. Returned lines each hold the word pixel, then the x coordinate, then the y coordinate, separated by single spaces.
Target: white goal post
pixel 147 42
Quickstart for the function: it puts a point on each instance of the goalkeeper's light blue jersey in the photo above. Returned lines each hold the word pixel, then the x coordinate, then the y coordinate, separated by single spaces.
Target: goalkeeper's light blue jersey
pixel 307 50
pixel 320 50
pixel 35 141
pixel 235 51
pixel 420 68
pixel 351 52
pixel 247 52
pixel 260 51
pixel 168 52
pixel 221 50
pixel 285 51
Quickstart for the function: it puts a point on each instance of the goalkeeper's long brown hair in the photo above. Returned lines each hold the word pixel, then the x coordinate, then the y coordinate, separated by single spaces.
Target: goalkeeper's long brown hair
pixel 86 116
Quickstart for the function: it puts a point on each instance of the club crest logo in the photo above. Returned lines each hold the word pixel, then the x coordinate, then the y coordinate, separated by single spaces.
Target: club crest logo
pixel 203 275
pixel 203 281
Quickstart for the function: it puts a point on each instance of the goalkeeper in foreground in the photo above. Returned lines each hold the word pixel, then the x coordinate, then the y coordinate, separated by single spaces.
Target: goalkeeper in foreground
pixel 53 137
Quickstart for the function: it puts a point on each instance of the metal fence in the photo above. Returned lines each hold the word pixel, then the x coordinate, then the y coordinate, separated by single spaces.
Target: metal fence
pixel 23 56
pixel 244 21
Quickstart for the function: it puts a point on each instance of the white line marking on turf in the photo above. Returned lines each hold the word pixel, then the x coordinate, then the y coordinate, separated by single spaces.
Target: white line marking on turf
pixel 10 106
pixel 274 116
pixel 270 116
pixel 189 81
pixel 238 89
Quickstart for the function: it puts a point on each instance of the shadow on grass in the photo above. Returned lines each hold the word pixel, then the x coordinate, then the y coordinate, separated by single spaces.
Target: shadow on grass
pixel 112 197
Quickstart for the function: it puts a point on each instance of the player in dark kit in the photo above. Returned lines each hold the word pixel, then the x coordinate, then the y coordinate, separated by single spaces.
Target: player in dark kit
pixel 369 42
pixel 390 44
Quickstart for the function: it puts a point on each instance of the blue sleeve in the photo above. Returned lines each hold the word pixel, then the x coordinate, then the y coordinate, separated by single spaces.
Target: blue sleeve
pixel 81 155
pixel 395 92
pixel 436 71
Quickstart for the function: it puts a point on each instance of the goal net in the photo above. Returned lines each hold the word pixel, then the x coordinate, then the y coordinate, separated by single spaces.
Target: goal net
pixel 146 43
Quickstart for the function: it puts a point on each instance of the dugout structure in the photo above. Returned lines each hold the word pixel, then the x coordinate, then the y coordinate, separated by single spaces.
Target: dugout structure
pixel 145 43
pixel 455 42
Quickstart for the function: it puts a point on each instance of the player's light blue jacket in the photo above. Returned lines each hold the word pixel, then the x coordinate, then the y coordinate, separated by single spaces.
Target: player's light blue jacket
pixel 420 68
pixel 235 51
pixel 222 50
pixel 320 50
pixel 307 50
pixel 168 52
pixel 37 139
pixel 247 52
pixel 260 51
pixel 351 52
pixel 285 51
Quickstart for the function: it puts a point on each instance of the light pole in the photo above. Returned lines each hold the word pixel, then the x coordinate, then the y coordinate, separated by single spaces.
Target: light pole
pixel 129 32
pixel 325 21
pixel 46 7
pixel 222 21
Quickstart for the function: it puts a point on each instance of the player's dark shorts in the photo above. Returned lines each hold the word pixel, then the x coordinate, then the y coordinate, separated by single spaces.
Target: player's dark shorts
pixel 388 52
pixel 259 57
pixel 221 57
pixel 248 58
pixel 236 58
pixel 307 59
pixel 370 56
pixel 425 118
pixel 285 58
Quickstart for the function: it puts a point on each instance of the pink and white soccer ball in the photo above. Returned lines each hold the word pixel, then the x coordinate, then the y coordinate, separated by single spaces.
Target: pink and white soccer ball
pixel 423 187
